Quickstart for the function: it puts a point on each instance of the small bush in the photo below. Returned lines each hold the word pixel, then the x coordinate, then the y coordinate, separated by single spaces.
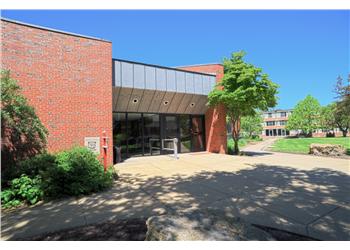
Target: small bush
pixel 22 190
pixel 77 171
pixel 230 146
pixel 68 173
pixel 32 167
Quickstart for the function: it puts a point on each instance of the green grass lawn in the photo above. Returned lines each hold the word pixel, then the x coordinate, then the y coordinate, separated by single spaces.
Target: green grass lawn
pixel 301 145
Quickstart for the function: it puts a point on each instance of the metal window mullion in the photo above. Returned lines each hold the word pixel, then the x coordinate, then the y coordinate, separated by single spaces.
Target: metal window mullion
pixel 127 134
pixel 143 134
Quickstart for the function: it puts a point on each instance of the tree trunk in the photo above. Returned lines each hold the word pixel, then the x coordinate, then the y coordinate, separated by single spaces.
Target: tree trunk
pixel 344 131
pixel 235 120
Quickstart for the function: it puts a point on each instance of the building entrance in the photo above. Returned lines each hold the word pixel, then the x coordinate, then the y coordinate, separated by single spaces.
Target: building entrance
pixel 139 134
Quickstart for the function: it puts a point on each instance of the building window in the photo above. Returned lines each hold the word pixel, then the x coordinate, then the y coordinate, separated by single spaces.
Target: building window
pixel 138 134
pixel 151 133
pixel 282 123
pixel 283 114
pixel 269 115
pixel 271 123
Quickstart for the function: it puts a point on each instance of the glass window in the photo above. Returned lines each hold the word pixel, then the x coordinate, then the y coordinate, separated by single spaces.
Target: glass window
pixel 185 133
pixel 269 115
pixel 270 123
pixel 119 136
pixel 197 134
pixel 170 127
pixel 282 123
pixel 134 134
pixel 283 114
pixel 151 134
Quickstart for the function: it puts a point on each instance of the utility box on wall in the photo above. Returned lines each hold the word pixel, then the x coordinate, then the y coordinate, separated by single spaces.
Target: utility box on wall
pixel 93 144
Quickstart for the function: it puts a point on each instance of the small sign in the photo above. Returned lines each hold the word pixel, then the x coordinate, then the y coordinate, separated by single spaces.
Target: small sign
pixel 92 143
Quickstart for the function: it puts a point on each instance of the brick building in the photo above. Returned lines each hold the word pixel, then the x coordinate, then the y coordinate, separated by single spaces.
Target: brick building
pixel 78 91
pixel 274 123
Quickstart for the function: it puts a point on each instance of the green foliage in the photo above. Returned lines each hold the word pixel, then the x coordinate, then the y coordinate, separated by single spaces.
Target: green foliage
pixel 22 133
pixel 22 190
pixel 242 142
pixel 252 125
pixel 306 116
pixel 77 171
pixel 342 107
pixel 328 117
pixel 243 90
pixel 68 173
pixel 31 167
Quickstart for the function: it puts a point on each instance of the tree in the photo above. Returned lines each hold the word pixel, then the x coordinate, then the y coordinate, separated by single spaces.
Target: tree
pixel 328 117
pixel 252 125
pixel 306 116
pixel 243 90
pixel 22 133
pixel 342 107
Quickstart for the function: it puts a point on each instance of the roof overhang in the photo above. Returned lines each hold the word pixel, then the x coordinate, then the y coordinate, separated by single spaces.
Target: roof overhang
pixel 139 87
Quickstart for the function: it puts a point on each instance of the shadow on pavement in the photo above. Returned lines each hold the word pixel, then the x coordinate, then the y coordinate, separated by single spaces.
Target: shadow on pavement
pixel 314 203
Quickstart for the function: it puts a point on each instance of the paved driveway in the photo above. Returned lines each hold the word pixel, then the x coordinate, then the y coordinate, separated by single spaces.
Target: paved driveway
pixel 303 194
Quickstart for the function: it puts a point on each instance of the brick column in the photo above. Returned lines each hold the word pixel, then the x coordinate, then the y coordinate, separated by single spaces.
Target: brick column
pixel 215 118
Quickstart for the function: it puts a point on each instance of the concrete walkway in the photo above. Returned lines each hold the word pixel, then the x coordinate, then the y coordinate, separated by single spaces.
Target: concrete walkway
pixel 298 193
pixel 261 146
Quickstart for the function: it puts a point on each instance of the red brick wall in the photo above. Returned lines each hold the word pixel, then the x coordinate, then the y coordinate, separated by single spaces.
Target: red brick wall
pixel 215 118
pixel 68 79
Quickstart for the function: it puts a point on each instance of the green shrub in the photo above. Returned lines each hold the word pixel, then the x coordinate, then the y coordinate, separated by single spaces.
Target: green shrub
pixel 37 164
pixel 230 146
pixel 32 167
pixel 77 171
pixel 22 190
pixel 68 173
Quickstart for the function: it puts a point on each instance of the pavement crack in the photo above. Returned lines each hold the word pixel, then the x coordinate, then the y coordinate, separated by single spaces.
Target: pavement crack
pixel 322 216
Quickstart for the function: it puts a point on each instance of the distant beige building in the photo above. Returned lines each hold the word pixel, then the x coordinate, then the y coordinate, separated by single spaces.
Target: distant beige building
pixel 275 121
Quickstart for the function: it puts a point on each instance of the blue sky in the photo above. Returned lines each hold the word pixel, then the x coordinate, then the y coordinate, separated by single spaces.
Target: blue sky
pixel 302 51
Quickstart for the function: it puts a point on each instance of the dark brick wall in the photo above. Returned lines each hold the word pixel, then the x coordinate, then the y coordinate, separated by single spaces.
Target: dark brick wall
pixel 68 79
pixel 215 118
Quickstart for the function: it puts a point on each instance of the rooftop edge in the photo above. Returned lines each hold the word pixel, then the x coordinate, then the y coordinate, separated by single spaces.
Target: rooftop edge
pixel 52 30
pixel 164 67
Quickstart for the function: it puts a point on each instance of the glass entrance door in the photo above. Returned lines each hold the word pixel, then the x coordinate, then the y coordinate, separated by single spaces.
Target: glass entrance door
pixel 138 134
pixel 197 132
pixel 170 130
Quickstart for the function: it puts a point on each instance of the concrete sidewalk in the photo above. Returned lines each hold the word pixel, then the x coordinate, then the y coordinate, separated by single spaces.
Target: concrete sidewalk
pixel 260 146
pixel 302 194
